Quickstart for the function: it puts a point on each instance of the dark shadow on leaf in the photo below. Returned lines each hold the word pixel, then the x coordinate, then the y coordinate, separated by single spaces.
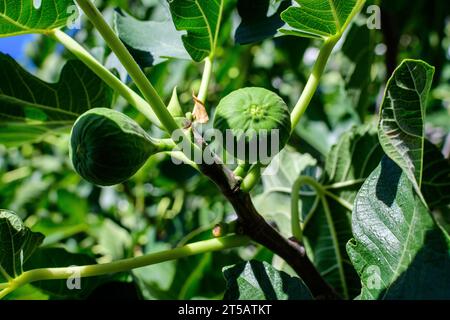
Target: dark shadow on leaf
pixel 428 275
pixel 232 275
pixel 263 280
pixel 389 176
pixel 271 283
pixel 435 177
pixel 144 58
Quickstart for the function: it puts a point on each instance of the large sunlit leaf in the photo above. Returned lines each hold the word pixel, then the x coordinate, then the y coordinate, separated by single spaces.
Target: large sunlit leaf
pixel 31 108
pixel 398 250
pixel 401 126
pixel 23 16
pixel 150 48
pixel 257 280
pixel 17 244
pixel 350 161
pixel 201 19
pixel 321 19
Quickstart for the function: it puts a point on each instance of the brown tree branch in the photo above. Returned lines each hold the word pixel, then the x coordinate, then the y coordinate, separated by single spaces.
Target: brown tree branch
pixel 256 227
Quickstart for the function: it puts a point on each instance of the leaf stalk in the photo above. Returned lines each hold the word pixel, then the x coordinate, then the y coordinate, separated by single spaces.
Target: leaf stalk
pixel 195 248
pixel 130 65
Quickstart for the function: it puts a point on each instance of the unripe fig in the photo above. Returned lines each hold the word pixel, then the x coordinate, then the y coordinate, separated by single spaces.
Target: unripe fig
pixel 255 117
pixel 107 147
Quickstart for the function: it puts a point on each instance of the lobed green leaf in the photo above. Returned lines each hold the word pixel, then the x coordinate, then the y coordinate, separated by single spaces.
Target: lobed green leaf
pixel 201 19
pixel 398 250
pixel 402 114
pixel 320 19
pixel 32 108
pixel 22 16
pixel 17 244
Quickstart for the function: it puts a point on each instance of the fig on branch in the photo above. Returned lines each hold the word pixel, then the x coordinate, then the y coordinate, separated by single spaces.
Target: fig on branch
pixel 107 147
pixel 255 118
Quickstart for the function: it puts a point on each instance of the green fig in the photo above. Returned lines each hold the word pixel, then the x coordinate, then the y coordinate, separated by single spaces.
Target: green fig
pixel 107 147
pixel 251 115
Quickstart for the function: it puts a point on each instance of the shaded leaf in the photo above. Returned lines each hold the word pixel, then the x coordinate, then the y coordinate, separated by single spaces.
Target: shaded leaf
pixel 436 177
pixel 274 202
pixel 257 24
pixel 22 16
pixel 34 108
pixel 116 290
pixel 354 157
pixel 27 292
pixel 201 19
pixel 349 162
pixel 60 257
pixel 154 281
pixel 321 19
pixel 398 250
pixel 17 244
pixel 401 125
pixel 151 42
pixel 257 280
pixel 359 48
pixel 16 134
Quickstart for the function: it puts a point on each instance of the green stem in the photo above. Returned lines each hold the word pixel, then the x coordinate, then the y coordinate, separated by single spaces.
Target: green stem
pixel 5 274
pixel 125 264
pixel 313 81
pixel 110 79
pixel 311 86
pixel 344 184
pixel 319 67
pixel 179 155
pixel 251 179
pixel 310 213
pixel 191 235
pixel 289 191
pixel 296 221
pixel 164 144
pixel 206 79
pixel 241 169
pixel 130 65
pixel 347 205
